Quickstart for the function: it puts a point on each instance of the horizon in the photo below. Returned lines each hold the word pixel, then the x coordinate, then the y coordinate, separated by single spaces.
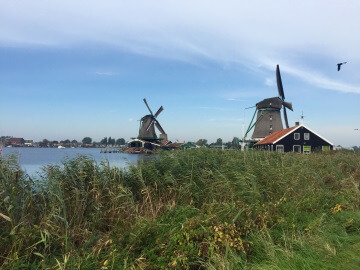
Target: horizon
pixel 73 70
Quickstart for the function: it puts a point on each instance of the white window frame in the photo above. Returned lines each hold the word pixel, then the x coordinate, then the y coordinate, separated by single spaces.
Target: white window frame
pixel 279 147
pixel 307 136
pixel 298 136
pixel 299 148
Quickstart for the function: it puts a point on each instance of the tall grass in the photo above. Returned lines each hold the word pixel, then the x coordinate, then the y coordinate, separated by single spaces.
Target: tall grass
pixel 203 209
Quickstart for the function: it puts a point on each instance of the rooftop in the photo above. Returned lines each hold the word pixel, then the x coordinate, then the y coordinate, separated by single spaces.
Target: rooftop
pixel 275 136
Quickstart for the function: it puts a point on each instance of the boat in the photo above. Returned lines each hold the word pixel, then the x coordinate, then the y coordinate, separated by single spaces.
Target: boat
pixel 61 147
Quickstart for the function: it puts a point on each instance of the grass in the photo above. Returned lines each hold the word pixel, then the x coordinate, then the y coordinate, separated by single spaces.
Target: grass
pixel 195 209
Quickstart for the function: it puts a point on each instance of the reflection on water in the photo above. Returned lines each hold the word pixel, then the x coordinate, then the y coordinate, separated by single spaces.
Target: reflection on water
pixel 32 159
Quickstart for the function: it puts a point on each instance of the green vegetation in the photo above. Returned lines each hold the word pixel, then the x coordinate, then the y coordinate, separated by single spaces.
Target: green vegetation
pixel 194 209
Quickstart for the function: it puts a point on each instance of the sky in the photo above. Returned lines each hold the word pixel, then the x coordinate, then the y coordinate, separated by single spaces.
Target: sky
pixel 71 69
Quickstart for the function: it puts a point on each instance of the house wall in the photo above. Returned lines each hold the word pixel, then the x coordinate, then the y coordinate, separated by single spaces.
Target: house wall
pixel 315 141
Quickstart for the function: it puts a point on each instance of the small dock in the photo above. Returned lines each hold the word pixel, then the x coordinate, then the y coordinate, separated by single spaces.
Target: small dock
pixel 111 150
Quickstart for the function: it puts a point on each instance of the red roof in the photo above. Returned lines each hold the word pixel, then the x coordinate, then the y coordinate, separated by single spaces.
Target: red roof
pixel 275 136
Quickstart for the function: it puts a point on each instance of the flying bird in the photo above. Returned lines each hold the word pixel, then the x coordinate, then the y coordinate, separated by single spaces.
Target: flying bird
pixel 340 64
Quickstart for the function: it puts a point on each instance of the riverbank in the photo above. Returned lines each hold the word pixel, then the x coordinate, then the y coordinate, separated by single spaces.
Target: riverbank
pixel 196 209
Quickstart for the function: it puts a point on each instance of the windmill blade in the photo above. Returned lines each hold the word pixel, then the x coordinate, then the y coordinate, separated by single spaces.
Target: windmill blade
pixel 159 127
pixel 147 106
pixel 285 117
pixel 279 83
pixel 159 111
pixel 288 105
pixel 150 124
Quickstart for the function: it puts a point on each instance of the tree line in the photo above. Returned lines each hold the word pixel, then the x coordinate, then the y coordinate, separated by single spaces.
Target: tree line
pixel 105 141
pixel 235 143
pixel 85 141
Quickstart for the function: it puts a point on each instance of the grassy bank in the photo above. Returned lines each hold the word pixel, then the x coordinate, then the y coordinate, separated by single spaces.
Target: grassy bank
pixel 203 209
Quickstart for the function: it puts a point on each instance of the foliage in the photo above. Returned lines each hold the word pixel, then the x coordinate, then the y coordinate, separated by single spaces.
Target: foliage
pixel 87 140
pixel 193 209
pixel 219 141
pixel 104 141
pixel 120 141
pixel 111 141
pixel 201 142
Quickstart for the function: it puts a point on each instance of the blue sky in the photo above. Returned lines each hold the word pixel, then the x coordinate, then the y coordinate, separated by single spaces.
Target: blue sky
pixel 70 69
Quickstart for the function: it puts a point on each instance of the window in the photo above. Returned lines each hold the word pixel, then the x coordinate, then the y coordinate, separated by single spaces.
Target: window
pixel 297 136
pixel 306 136
pixel 325 148
pixel 280 148
pixel 297 148
pixel 307 149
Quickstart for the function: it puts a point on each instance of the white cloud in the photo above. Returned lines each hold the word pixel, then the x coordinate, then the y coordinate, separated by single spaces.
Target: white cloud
pixel 314 78
pixel 104 73
pixel 269 82
pixel 226 32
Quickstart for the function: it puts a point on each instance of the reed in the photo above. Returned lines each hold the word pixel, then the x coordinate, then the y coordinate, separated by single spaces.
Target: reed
pixel 194 209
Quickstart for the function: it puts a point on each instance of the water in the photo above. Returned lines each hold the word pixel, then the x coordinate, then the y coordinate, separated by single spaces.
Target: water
pixel 32 159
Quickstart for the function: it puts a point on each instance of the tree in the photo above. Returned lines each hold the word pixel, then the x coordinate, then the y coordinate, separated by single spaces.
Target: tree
pixel 44 143
pixel 87 140
pixel 201 142
pixel 111 141
pixel 120 141
pixel 104 141
pixel 219 141
pixel 235 142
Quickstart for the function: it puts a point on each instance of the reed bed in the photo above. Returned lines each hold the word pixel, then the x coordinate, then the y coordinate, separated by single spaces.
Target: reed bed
pixel 194 209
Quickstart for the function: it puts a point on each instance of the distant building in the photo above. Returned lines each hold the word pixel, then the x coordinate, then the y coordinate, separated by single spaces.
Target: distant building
pixel 29 143
pixel 16 141
pixel 189 145
pixel 137 143
pixel 294 139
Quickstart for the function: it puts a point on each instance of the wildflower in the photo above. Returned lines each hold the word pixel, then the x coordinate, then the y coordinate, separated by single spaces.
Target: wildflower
pixel 337 208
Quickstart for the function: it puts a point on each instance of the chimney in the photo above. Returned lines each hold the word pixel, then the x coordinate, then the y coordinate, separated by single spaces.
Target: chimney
pixel 297 123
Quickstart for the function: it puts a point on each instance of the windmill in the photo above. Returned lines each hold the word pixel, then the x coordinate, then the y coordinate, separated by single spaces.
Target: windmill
pixel 268 117
pixel 148 123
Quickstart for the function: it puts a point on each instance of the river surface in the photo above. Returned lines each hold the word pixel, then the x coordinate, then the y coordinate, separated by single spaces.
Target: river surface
pixel 32 159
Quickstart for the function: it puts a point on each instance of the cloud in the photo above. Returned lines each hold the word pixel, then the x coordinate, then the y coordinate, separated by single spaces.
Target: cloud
pixel 225 31
pixel 314 78
pixel 235 99
pixel 222 32
pixel 269 82
pixel 104 73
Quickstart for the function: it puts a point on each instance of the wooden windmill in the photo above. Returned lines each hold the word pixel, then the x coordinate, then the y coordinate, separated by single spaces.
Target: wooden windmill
pixel 268 117
pixel 148 124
